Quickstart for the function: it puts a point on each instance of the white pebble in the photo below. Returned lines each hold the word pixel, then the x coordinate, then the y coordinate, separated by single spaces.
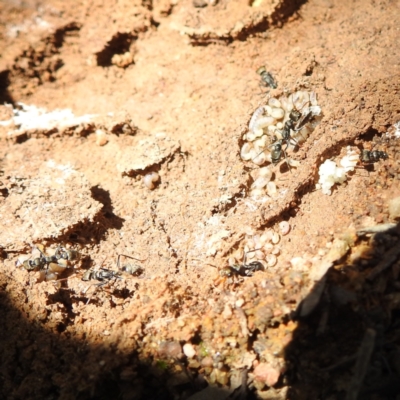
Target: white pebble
pixel 189 350
pixel 275 238
pixel 271 260
pixel 284 227
pixel 150 179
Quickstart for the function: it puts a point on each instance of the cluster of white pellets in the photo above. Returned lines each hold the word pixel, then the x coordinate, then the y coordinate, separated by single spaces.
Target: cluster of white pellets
pixel 260 247
pixel 330 173
pixel 267 123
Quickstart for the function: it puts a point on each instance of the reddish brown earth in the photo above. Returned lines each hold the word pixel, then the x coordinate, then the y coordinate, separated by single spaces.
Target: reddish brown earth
pixel 173 86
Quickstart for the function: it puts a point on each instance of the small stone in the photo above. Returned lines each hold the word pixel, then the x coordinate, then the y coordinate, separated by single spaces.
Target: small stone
pixel 122 60
pixel 300 264
pixel 170 349
pixel 200 3
pixel 207 362
pixel 227 313
pixel 239 303
pixel 394 208
pixel 189 350
pixel 266 373
pixel 101 138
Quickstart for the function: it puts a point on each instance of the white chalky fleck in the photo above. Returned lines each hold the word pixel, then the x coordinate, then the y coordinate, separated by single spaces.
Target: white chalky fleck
pixel 189 350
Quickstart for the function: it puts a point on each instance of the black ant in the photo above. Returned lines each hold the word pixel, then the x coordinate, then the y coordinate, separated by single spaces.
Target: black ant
pixel 102 275
pixel 32 265
pixel 241 270
pixel 372 156
pixel 60 258
pixel 64 256
pixel 131 269
pixel 296 122
pixel 266 78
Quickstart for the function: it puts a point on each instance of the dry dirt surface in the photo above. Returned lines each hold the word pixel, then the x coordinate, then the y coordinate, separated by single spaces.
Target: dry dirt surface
pixel 141 257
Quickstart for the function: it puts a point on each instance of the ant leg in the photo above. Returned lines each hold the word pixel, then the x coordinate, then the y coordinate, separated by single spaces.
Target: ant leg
pixel 97 285
pixel 286 159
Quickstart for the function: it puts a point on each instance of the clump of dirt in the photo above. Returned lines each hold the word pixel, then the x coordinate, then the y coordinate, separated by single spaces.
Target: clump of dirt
pixel 120 139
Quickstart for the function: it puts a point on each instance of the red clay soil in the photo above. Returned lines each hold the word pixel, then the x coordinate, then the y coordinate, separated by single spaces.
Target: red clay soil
pixel 166 89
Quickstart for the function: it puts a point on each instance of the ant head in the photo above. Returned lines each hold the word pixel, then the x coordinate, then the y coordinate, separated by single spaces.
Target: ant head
pixel 294 115
pixel 261 70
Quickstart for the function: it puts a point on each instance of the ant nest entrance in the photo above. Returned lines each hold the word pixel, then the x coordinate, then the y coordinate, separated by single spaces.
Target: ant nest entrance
pixel 258 247
pixel 269 126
